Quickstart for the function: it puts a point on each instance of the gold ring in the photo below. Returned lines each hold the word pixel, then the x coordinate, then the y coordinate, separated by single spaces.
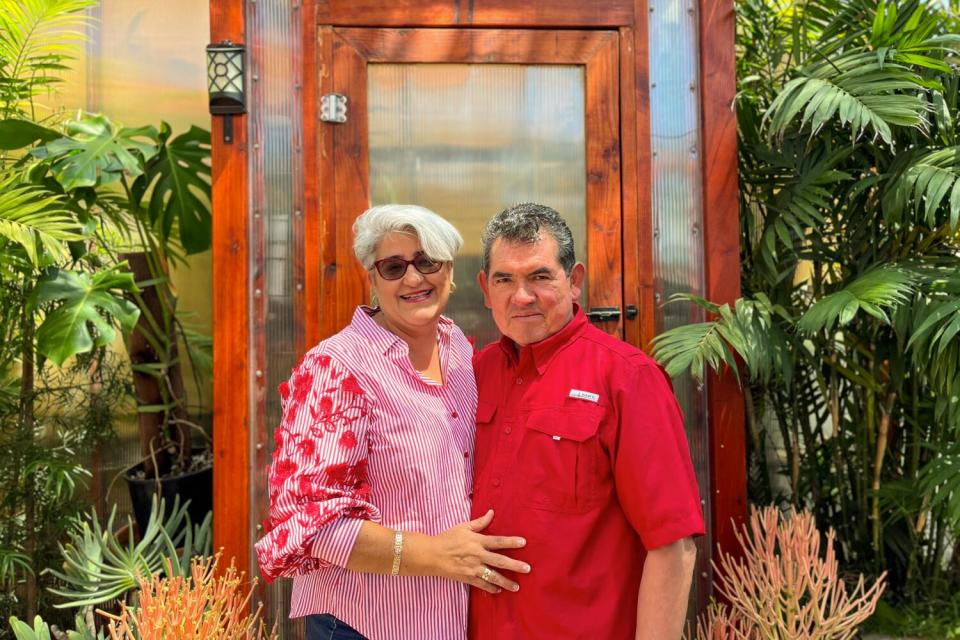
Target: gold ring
pixel 485 574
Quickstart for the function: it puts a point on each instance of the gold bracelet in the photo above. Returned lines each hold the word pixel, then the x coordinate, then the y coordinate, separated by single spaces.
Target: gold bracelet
pixel 397 551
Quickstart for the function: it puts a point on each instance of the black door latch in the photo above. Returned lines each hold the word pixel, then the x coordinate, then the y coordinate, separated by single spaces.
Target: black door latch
pixel 605 314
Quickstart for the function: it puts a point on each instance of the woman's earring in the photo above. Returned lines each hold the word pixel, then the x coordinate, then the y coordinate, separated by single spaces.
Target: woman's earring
pixel 453 287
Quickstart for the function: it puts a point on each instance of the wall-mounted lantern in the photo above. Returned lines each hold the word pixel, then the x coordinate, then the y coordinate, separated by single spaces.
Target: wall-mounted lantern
pixel 225 84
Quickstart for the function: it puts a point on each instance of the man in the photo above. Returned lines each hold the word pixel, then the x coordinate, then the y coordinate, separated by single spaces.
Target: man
pixel 580 448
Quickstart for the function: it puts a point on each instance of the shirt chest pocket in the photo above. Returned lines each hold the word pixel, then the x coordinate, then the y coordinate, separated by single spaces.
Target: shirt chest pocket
pixel 558 458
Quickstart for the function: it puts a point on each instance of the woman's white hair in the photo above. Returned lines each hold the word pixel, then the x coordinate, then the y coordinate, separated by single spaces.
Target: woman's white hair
pixel 440 239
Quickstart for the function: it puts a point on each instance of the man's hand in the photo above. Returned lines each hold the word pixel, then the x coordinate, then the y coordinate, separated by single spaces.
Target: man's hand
pixel 664 590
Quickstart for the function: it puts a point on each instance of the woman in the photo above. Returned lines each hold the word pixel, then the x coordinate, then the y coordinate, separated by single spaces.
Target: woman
pixel 371 477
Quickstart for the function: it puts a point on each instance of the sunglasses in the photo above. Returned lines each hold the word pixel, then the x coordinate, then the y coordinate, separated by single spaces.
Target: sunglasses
pixel 393 268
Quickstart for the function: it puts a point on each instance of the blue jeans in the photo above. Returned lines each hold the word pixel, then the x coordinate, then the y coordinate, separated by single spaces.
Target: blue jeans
pixel 327 627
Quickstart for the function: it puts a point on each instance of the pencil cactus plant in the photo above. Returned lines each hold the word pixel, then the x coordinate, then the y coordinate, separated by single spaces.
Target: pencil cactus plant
pixel 786 585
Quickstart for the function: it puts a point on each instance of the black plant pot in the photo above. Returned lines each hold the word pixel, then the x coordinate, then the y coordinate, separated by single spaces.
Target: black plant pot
pixel 196 486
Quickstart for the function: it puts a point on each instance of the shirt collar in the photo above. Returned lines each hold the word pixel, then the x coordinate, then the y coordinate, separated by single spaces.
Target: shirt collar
pixel 544 350
pixel 383 340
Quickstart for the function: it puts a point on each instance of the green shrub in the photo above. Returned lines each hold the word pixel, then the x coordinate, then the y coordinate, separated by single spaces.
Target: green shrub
pixel 848 331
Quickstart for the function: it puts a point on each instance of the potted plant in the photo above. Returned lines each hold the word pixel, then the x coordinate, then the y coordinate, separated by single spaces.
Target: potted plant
pixel 153 190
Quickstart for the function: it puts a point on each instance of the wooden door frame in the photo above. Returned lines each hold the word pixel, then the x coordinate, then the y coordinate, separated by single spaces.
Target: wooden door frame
pixel 234 381
pixel 353 48
pixel 231 315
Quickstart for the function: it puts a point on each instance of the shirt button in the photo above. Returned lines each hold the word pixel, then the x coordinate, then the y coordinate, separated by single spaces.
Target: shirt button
pixel 496 482
pixel 466 454
pixel 454 414
pixel 519 380
pixel 507 430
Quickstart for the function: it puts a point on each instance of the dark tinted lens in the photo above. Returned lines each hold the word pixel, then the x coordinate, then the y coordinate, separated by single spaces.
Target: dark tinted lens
pixel 423 264
pixel 392 268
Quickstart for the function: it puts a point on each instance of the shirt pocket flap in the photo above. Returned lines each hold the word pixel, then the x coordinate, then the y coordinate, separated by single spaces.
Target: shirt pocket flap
pixel 570 424
pixel 486 411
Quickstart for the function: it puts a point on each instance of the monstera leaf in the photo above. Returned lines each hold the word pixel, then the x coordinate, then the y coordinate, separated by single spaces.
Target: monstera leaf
pixel 85 300
pixel 178 178
pixel 96 153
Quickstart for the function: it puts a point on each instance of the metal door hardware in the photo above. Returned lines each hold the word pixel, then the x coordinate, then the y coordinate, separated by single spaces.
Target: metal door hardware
pixel 605 314
pixel 333 108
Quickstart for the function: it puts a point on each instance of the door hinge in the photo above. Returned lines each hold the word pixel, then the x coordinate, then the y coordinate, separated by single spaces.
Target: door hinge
pixel 333 107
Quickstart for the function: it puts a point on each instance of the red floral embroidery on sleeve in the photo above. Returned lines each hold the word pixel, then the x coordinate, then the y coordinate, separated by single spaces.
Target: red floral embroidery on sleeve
pixel 283 469
pixel 281 536
pixel 348 475
pixel 315 480
pixel 307 447
pixel 350 385
pixel 348 440
pixel 325 407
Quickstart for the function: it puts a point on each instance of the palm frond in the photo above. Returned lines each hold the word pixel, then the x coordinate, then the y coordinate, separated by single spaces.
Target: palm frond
pixel 691 347
pixel 873 292
pixel 940 479
pixel 935 341
pixel 36 220
pixel 37 38
pixel 856 90
pixel 747 330
pixel 926 186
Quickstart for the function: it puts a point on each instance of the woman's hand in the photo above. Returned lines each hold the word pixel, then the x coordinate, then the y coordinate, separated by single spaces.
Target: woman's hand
pixel 462 553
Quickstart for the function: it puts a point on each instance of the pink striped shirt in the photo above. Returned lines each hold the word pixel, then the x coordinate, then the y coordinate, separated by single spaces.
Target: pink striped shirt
pixel 364 436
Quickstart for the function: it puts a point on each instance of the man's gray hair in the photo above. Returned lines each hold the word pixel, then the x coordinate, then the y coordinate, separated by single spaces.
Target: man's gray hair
pixel 440 239
pixel 523 223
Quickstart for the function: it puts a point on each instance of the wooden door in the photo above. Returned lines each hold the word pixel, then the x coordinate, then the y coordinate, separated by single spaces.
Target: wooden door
pixel 366 66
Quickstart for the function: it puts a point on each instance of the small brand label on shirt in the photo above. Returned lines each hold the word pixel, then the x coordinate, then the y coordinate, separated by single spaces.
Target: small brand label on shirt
pixel 584 395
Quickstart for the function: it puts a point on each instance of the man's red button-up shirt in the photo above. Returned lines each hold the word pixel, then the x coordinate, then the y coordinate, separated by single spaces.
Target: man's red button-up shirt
pixel 581 450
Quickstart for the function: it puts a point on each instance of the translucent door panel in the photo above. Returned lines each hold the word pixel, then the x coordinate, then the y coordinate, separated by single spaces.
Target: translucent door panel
pixel 468 140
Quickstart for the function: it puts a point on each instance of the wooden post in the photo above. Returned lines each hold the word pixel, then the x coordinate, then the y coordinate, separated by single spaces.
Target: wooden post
pixel 231 383
pixel 721 237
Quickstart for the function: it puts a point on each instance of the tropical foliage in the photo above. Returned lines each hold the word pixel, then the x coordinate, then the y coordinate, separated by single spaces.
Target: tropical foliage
pixel 848 331
pixel 82 202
